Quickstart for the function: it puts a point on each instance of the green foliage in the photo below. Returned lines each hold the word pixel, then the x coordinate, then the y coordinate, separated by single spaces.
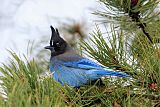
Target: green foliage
pixel 26 87
pixel 112 54
pixel 117 12
pixel 138 58
pixel 126 48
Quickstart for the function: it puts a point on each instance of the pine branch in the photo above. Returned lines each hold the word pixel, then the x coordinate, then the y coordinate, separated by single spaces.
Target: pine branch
pixel 111 54
pixel 137 10
pixel 136 17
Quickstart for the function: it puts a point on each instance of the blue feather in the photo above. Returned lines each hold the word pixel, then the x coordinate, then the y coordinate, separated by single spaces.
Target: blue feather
pixel 83 63
pixel 111 73
pixel 77 73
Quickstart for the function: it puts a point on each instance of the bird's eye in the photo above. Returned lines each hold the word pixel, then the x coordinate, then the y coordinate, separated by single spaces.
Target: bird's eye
pixel 57 44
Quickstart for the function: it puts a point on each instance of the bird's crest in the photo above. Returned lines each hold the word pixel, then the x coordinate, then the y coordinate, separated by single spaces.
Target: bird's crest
pixel 55 34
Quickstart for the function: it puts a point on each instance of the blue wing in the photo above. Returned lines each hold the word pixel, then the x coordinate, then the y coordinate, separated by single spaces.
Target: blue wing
pixel 77 77
pixel 83 63
pixel 77 73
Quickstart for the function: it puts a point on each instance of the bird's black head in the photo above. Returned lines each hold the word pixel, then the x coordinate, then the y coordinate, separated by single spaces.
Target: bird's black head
pixel 57 44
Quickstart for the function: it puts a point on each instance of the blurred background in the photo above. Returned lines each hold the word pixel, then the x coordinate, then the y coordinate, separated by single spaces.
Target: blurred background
pixel 25 23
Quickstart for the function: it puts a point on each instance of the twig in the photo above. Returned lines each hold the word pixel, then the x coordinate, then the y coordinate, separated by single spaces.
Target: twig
pixel 136 17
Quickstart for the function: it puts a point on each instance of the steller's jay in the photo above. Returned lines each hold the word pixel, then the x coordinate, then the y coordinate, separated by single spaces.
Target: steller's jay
pixel 72 69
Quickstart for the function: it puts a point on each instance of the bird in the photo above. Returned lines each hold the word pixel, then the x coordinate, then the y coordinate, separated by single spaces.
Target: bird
pixel 70 68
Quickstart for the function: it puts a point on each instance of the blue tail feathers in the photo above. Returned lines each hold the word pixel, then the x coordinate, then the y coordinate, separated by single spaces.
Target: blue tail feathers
pixel 110 73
